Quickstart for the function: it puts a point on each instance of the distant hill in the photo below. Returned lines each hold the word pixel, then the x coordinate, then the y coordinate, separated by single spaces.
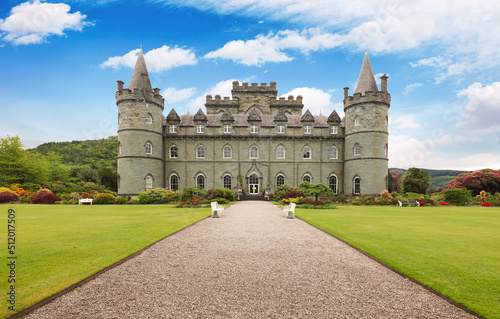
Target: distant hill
pixel 440 178
pixel 93 153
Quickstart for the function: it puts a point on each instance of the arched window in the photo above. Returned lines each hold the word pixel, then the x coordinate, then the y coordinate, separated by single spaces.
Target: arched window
pixel 333 153
pixel 357 149
pixel 174 182
pixel 149 148
pixel 227 181
pixel 149 119
pixel 227 152
pixel 332 183
pixel 280 180
pixel 254 152
pixel 200 152
pixel 306 178
pixel 357 185
pixel 357 121
pixel 120 118
pixel 200 181
pixel 174 152
pixel 149 183
pixel 307 152
pixel 280 152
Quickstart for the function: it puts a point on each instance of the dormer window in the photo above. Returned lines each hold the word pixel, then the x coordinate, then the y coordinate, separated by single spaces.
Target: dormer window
pixel 173 128
pixel 227 129
pixel 280 129
pixel 254 129
pixel 307 129
pixel 200 128
pixel 334 130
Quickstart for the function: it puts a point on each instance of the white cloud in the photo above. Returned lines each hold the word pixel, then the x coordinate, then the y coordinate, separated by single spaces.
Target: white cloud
pixel 172 95
pixel 33 22
pixel 451 26
pixel 411 87
pixel 445 65
pixel 157 60
pixel 404 122
pixel 222 88
pixel 482 110
pixel 437 61
pixel 316 100
pixel 406 152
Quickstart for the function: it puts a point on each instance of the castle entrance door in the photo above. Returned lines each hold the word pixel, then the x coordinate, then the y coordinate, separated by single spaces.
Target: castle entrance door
pixel 253 184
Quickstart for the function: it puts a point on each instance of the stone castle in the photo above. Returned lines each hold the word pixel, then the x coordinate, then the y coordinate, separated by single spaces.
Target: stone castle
pixel 252 142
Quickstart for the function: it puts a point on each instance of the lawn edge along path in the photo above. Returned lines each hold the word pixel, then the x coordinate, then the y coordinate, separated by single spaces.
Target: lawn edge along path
pixel 435 292
pixel 48 300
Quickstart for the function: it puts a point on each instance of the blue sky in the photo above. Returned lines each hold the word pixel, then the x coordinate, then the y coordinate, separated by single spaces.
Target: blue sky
pixel 60 62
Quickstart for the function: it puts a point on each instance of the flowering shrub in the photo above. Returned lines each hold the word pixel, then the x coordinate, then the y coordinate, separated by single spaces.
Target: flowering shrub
pixel 7 197
pixel 485 179
pixel 281 191
pixel 292 199
pixel 421 203
pixel 486 204
pixel 156 196
pixel 5 189
pixel 87 195
pixel 443 203
pixel 44 197
pixel 294 194
pixel 385 198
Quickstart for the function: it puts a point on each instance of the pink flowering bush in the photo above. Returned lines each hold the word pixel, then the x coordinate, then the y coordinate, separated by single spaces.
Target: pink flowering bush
pixel 485 179
pixel 443 203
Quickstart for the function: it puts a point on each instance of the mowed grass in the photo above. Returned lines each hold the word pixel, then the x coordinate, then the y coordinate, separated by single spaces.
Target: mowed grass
pixel 59 245
pixel 453 250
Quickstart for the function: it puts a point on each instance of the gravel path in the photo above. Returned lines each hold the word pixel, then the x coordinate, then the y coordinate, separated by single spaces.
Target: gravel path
pixel 251 263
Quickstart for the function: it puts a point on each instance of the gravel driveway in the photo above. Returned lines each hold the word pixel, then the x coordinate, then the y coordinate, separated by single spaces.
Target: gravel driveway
pixel 251 263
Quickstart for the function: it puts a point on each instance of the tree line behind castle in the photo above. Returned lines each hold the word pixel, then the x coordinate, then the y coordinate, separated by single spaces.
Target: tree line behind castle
pixel 65 172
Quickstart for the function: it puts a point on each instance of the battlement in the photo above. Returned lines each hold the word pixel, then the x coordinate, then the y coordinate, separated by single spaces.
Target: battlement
pixel 368 97
pixel 126 94
pixel 219 101
pixel 254 88
pixel 290 101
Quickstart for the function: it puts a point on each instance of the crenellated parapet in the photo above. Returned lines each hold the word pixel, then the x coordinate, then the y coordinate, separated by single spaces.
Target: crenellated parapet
pixel 215 105
pixel 291 104
pixel 254 88
pixel 368 97
pixel 139 95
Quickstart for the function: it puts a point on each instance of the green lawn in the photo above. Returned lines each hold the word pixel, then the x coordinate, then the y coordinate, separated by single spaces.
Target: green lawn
pixel 59 245
pixel 454 250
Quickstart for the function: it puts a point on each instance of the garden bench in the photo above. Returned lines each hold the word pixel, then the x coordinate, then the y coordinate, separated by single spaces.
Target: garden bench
pixel 85 200
pixel 289 210
pixel 408 202
pixel 216 210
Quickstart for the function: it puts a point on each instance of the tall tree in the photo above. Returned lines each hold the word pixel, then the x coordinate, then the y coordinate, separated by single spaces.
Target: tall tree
pixel 415 181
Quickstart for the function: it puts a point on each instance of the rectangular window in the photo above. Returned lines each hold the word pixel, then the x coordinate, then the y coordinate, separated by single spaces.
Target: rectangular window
pixel 334 130
pixel 307 129
pixel 227 129
pixel 254 129
pixel 173 128
pixel 200 128
pixel 280 129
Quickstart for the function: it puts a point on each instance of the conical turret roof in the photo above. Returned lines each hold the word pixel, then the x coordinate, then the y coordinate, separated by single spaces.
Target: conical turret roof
pixel 366 80
pixel 140 69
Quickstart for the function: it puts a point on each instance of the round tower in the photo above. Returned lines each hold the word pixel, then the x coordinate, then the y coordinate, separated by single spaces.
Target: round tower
pixel 366 135
pixel 140 133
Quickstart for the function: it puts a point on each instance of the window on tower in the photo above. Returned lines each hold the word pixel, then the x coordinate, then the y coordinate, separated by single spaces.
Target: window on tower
pixel 357 121
pixel 332 183
pixel 357 149
pixel 149 119
pixel 149 148
pixel 174 182
pixel 149 183
pixel 357 186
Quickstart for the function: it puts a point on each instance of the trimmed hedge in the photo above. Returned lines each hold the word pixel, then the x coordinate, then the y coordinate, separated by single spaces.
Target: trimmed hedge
pixel 103 199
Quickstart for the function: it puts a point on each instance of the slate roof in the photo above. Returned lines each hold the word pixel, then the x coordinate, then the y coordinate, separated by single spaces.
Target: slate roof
pixel 366 80
pixel 242 120
pixel 140 68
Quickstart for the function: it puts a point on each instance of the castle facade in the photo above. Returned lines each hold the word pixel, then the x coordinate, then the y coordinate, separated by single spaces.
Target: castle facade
pixel 252 141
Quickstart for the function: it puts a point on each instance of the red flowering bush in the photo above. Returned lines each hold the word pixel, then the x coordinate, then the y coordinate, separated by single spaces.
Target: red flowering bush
pixel 485 179
pixel 7 197
pixel 45 198
pixel 421 203
pixel 486 204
